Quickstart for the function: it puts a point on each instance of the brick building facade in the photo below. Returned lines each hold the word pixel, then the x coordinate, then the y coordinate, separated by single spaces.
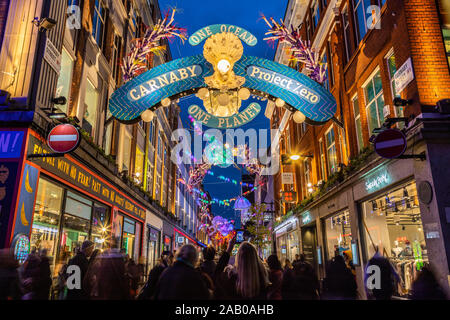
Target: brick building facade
pixel 364 43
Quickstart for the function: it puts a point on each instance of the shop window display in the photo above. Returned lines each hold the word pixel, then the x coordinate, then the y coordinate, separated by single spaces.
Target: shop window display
pixel 338 234
pixel 129 230
pixel 46 219
pixel 393 226
pixel 100 227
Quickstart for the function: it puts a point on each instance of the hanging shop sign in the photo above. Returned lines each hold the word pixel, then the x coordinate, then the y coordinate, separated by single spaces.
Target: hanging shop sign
pixel 204 33
pixel 306 218
pixel 69 170
pixel 63 138
pixel 52 56
pixel 238 120
pixel 289 196
pixel 403 76
pixel 390 143
pixel 287 178
pixel 185 75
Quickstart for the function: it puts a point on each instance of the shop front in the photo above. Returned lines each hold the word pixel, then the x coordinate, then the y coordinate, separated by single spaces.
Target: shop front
pixel 392 225
pixel 63 203
pixel 168 236
pixel 287 240
pixel 152 241
pixel 181 238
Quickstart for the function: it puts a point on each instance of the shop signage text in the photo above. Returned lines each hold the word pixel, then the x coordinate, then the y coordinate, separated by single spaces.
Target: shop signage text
pixel 11 144
pixel 164 80
pixel 283 82
pixel 52 56
pixel 377 182
pixel 403 76
pixel 70 171
pixel 204 33
pixel 240 119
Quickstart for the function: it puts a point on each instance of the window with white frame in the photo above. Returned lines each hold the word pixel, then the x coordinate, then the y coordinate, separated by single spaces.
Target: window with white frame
pixel 115 58
pixel 91 101
pixel 326 84
pixel 307 168
pixel 347 33
pixel 361 16
pixel 315 13
pixel 373 90
pixel 126 150
pixel 98 22
pixel 331 151
pixel 392 69
pixel 322 159
pixel 64 79
pixel 358 126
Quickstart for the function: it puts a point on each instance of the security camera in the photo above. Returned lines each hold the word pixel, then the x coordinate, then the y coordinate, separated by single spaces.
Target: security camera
pixel 399 102
pixel 59 100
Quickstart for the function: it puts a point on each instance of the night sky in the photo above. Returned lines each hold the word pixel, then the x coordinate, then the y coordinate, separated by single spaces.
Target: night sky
pixel 196 14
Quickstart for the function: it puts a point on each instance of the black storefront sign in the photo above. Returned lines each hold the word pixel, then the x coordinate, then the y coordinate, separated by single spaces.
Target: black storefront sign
pixel 75 174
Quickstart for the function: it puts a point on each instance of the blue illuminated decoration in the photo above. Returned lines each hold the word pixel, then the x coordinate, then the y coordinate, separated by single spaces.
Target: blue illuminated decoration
pixel 11 144
pixel 187 74
pixel 204 33
pixel 377 182
pixel 240 119
pixel 306 218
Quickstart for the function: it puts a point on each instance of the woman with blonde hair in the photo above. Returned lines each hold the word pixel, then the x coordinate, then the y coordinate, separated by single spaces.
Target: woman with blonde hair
pixel 247 279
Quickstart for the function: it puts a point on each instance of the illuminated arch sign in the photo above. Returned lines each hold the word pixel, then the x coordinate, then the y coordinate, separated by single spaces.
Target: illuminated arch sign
pixel 181 75
pixel 234 121
pixel 208 31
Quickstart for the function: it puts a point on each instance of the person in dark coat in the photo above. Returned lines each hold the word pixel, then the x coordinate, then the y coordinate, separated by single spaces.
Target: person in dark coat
pixel 275 278
pixel 9 277
pixel 45 277
pixel 340 283
pixel 148 291
pixel 81 260
pixel 426 287
pixel 301 283
pixel 30 277
pixel 112 281
pixel 388 281
pixel 246 280
pixel 182 281
pixel 208 265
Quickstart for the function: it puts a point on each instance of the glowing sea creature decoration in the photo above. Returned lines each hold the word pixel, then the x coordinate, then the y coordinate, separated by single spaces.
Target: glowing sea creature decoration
pixel 301 50
pixel 135 62
pixel 242 204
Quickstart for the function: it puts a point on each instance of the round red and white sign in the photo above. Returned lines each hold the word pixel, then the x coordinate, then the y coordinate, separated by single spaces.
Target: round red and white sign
pixel 390 143
pixel 63 138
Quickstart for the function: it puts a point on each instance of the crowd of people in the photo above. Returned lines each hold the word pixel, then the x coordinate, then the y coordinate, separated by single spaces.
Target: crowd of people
pixel 111 275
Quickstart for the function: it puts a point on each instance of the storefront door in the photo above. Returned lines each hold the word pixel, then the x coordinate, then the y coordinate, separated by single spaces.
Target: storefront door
pixel 309 244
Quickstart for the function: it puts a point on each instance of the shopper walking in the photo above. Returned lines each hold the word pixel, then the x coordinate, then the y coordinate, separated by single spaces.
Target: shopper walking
pixel 426 287
pixel 247 279
pixel 112 281
pixel 208 265
pixel 182 281
pixel 81 260
pixel 9 277
pixel 388 278
pixel 275 278
pixel 301 283
pixel 339 284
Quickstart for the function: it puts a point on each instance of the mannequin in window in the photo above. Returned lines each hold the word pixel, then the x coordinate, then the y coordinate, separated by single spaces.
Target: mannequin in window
pixel 396 250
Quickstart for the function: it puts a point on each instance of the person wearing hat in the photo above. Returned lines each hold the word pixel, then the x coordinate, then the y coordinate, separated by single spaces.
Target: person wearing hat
pixel 81 260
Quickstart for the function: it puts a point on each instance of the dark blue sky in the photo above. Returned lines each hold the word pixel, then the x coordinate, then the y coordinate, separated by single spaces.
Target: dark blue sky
pixel 196 14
